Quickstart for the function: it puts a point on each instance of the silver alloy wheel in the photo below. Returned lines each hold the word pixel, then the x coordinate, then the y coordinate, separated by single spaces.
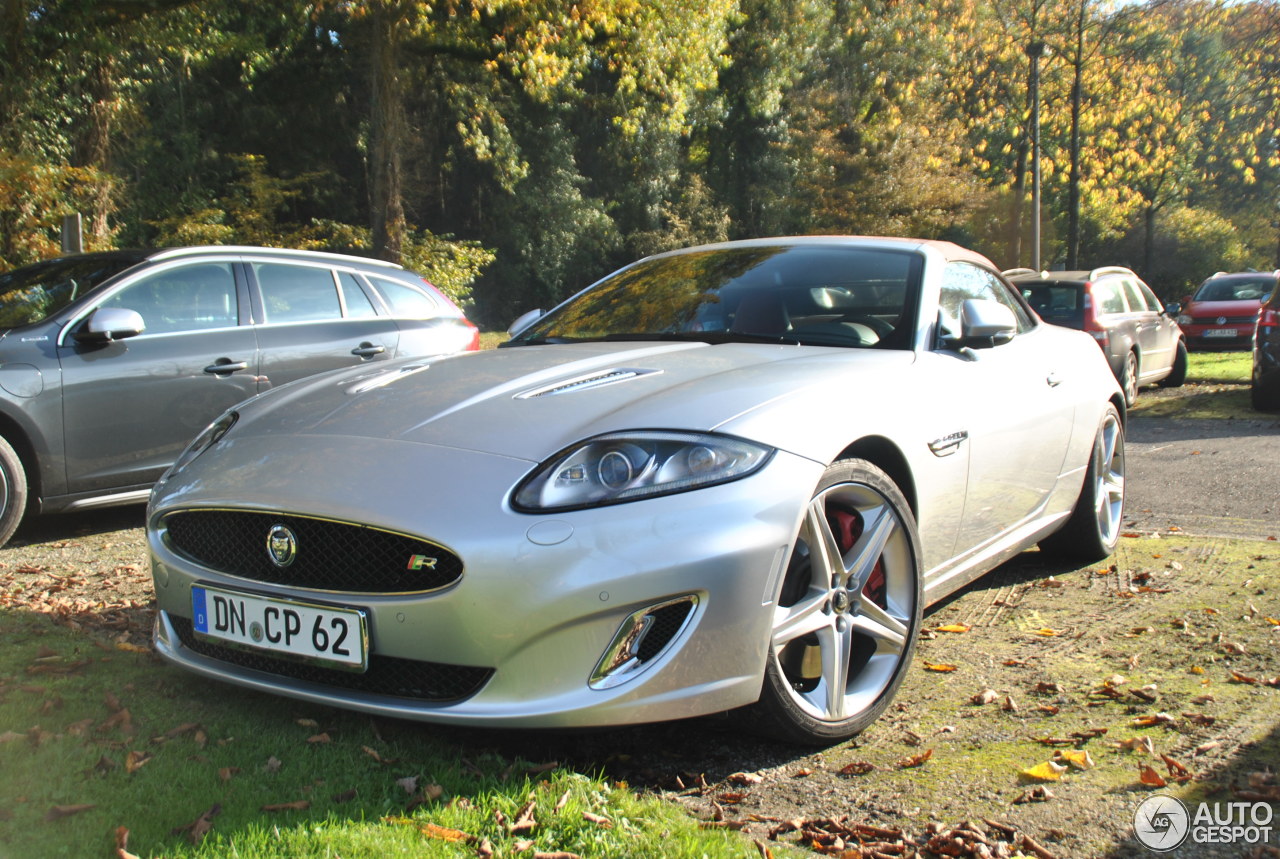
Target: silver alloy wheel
pixel 1130 379
pixel 1108 477
pixel 856 606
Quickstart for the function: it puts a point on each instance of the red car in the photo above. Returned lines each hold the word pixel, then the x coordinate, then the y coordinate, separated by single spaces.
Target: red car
pixel 1224 311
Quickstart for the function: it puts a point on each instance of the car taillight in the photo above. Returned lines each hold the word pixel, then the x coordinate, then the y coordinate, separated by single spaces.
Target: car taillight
pixel 1268 316
pixel 1091 323
pixel 474 345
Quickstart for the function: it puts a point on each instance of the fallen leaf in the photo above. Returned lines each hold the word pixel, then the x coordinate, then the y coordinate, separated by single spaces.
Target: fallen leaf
pixel 1047 771
pixel 1150 777
pixel 318 739
pixel 197 829
pixel 272 765
pixel 915 760
pixel 597 819
pixel 939 666
pixel 227 773
pixel 1237 677
pixel 986 696
pixel 857 768
pixel 745 778
pixel 409 783
pixel 953 627
pixel 296 805
pixel 134 761
pixel 60 811
pixel 1078 758
pixel 1046 631
pixel 122 844
pixel 1039 793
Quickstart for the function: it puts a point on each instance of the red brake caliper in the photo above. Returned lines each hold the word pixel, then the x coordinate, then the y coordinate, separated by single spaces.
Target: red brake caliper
pixel 847 526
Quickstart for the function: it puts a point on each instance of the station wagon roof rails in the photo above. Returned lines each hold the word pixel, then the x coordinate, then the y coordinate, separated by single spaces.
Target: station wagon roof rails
pixel 1110 269
pixel 1013 272
pixel 173 253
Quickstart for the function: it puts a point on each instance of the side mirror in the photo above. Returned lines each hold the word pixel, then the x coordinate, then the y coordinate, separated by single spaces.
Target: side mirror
pixel 110 323
pixel 1173 308
pixel 524 321
pixel 984 324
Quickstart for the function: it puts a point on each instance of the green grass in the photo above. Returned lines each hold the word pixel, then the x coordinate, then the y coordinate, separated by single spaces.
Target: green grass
pixel 491 339
pixel 1217 387
pixel 212 750
pixel 1224 368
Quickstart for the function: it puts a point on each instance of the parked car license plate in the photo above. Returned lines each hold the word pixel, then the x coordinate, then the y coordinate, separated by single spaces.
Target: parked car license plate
pixel 1220 332
pixel 337 637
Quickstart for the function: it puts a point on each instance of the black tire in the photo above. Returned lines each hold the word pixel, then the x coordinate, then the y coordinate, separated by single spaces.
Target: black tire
pixel 856 623
pixel 1129 378
pixel 1264 396
pixel 1093 530
pixel 1178 375
pixel 13 491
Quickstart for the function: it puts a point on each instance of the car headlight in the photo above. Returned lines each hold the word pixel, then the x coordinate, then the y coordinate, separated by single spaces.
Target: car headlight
pixel 621 467
pixel 211 435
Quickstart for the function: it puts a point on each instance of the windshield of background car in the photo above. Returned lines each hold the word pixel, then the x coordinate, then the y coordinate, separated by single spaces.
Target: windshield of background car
pixel 805 294
pixel 1236 289
pixel 35 292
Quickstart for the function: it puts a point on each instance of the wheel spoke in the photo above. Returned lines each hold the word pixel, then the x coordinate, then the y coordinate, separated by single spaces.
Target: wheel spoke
pixel 824 551
pixel 879 527
pixel 801 619
pixel 835 644
pixel 873 621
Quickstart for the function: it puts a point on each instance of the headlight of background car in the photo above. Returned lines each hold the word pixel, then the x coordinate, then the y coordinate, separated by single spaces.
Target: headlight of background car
pixel 612 469
pixel 211 435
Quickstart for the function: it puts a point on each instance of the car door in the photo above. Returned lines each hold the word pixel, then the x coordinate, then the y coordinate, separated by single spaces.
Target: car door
pixel 1154 344
pixel 313 318
pixel 132 405
pixel 1164 332
pixel 1018 420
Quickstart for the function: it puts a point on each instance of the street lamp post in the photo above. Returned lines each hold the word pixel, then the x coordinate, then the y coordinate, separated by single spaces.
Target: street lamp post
pixel 1035 50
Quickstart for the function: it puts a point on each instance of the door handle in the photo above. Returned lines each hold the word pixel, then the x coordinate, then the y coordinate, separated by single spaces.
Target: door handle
pixel 225 367
pixel 368 350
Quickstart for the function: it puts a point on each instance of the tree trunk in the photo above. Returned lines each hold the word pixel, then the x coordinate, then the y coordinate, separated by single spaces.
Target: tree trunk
pixel 386 135
pixel 93 146
pixel 1073 179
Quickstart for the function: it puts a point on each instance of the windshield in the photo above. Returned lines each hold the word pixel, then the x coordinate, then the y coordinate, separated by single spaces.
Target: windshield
pixel 35 292
pixel 1236 289
pixel 804 294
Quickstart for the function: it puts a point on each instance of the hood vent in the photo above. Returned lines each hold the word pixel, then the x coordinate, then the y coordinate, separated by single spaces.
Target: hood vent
pixel 386 377
pixel 581 383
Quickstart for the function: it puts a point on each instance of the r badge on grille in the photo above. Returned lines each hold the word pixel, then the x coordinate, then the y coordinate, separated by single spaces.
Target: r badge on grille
pixel 282 545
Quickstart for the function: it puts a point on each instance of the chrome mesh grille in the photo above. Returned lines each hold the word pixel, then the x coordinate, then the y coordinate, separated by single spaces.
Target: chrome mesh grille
pixel 331 556
pixel 386 675
pixel 666 623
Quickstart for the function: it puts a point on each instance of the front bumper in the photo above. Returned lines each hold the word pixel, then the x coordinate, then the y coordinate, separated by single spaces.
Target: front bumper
pixel 542 599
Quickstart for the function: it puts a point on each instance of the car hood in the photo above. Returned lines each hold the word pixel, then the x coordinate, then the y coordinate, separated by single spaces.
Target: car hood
pixel 1223 308
pixel 531 401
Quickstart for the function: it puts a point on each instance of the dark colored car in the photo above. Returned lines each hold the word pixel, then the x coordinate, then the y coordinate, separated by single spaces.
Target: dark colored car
pixel 1265 387
pixel 110 363
pixel 1141 340
pixel 1223 311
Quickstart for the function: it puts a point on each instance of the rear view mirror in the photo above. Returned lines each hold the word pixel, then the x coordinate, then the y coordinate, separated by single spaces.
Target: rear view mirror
pixel 524 321
pixel 110 323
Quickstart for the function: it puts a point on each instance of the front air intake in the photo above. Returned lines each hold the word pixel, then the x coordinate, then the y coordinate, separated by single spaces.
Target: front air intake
pixel 642 638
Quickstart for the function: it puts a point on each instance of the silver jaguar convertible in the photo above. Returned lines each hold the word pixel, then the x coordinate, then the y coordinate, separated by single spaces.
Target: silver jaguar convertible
pixel 730 476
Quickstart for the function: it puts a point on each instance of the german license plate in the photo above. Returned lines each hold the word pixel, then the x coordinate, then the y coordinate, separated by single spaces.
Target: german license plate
pixel 1220 332
pixel 336 637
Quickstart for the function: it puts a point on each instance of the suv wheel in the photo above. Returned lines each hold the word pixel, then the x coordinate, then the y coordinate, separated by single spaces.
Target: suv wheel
pixel 13 491
pixel 1178 375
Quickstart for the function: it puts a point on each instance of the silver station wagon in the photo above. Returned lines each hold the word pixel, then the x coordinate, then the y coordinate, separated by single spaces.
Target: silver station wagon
pixel 110 363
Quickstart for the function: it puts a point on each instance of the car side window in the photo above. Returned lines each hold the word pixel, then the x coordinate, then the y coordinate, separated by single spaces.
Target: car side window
pixel 296 293
pixel 186 298
pixel 1152 302
pixel 1108 296
pixel 406 301
pixel 354 299
pixel 962 281
pixel 1137 303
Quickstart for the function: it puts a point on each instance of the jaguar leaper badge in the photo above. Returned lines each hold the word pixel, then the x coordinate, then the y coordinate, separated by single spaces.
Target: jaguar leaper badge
pixel 282 545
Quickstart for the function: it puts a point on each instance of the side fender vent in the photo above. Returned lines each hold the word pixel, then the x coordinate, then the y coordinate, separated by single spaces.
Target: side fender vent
pixel 641 639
